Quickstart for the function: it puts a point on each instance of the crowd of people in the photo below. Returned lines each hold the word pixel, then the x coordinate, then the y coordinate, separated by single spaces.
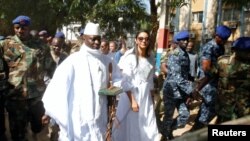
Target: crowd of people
pixel 46 84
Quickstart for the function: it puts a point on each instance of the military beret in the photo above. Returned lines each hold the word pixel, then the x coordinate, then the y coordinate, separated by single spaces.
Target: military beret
pixel 60 35
pixel 174 39
pixel 223 32
pixel 22 20
pixel 182 35
pixel 242 43
pixel 42 33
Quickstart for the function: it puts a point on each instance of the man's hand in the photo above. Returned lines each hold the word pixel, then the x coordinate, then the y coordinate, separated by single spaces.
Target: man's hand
pixel 45 119
pixel 189 101
pixel 196 95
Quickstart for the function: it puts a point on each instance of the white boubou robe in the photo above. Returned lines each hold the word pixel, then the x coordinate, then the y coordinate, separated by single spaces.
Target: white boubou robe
pixel 72 99
pixel 136 126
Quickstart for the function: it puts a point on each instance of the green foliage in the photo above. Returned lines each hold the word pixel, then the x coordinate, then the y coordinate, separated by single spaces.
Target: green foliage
pixel 176 3
pixel 236 3
pixel 52 14
pixel 107 13
pixel 41 13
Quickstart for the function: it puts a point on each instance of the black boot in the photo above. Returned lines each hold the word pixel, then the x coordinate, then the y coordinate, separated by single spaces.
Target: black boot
pixel 176 126
pixel 3 137
pixel 197 125
pixel 169 136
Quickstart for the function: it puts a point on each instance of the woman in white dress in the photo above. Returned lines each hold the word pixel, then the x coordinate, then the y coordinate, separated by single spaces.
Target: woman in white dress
pixel 135 116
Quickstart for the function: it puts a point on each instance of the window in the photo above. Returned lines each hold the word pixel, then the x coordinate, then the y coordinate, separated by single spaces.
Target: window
pixel 197 17
pixel 247 16
pixel 231 15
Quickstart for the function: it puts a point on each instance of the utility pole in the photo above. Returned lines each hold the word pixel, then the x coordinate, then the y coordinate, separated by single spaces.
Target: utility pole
pixel 162 33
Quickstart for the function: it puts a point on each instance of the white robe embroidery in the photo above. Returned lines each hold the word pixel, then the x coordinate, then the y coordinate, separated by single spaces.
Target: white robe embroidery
pixel 72 99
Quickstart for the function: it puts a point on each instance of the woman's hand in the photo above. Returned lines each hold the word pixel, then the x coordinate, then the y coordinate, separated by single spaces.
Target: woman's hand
pixel 134 106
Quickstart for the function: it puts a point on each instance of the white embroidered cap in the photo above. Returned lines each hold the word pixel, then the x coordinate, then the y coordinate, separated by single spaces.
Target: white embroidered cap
pixel 92 29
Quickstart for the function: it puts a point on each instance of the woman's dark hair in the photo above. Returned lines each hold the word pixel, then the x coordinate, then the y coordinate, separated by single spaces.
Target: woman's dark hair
pixel 148 50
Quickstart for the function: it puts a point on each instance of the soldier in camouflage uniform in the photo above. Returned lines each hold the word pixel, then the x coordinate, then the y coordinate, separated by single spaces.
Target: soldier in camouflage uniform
pixel 177 87
pixel 4 72
pixel 57 58
pixel 25 57
pixel 208 56
pixel 51 64
pixel 234 82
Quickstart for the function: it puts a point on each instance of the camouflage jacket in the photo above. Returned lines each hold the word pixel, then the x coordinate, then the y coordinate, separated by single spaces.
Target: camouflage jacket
pixel 233 88
pixel 177 82
pixel 210 51
pixel 51 64
pixel 4 72
pixel 26 61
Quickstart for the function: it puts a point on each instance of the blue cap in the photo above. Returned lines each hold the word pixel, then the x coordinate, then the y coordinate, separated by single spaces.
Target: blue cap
pixel 22 20
pixel 242 43
pixel 81 32
pixel 223 32
pixel 182 35
pixel 174 40
pixel 60 35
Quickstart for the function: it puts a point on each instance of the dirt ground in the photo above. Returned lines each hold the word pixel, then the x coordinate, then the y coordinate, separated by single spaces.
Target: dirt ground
pixel 44 135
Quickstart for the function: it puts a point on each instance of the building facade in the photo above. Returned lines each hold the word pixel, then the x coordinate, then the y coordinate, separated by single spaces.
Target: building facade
pixel 200 17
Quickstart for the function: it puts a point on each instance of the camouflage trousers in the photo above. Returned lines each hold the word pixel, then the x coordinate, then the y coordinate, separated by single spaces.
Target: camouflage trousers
pixel 207 107
pixel 232 105
pixel 2 114
pixel 20 113
pixel 169 123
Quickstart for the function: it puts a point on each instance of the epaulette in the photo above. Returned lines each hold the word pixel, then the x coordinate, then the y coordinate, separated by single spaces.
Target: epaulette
pixel 175 52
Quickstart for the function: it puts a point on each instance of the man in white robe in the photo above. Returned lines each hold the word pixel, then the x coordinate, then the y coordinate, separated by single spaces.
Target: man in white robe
pixel 71 97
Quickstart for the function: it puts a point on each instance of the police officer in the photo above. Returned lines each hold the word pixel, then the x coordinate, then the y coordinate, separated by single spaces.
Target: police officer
pixel 177 87
pixel 207 85
pixel 66 43
pixel 234 82
pixel 4 75
pixel 25 58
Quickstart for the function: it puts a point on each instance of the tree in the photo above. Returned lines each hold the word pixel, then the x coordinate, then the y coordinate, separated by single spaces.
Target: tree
pixel 107 12
pixel 236 3
pixel 52 14
pixel 41 13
